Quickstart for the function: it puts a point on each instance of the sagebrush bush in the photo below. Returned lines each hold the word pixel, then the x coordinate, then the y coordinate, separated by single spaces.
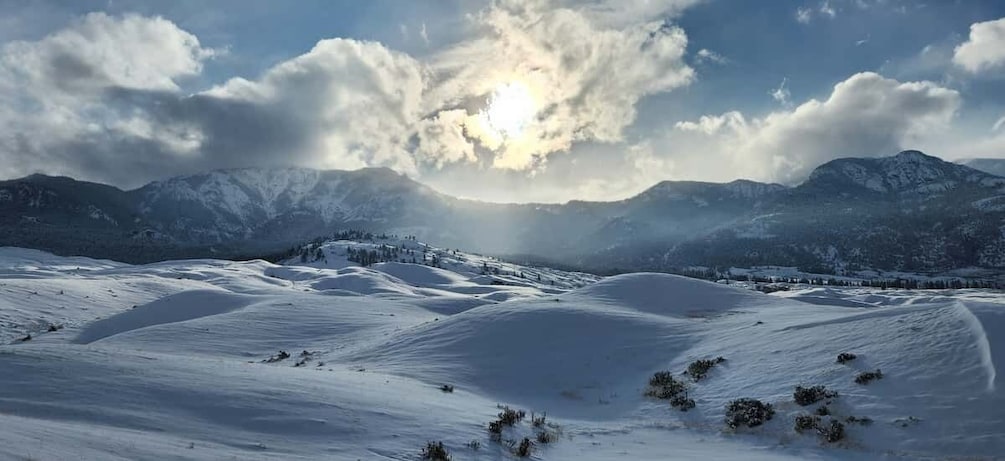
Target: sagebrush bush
pixel 868 376
pixel 495 430
pixel 448 388
pixel 748 412
pixel 546 437
pixel 699 368
pixel 664 386
pixel 682 402
pixel 282 355
pixel 823 411
pixel 435 451
pixel 509 416
pixel 661 378
pixel 810 395
pixel 846 357
pixel 523 450
pixel 865 420
pixel 806 422
pixel 832 432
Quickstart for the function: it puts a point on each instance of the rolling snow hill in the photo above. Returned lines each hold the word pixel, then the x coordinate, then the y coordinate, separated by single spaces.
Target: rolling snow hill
pixel 181 360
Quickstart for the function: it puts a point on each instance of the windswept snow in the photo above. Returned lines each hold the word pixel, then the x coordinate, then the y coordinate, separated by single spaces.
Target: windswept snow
pixel 179 360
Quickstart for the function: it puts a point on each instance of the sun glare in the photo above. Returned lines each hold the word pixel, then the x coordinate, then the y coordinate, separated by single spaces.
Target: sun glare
pixel 510 109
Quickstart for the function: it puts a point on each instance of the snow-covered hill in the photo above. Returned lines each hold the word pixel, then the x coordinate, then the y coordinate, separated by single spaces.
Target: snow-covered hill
pixel 181 360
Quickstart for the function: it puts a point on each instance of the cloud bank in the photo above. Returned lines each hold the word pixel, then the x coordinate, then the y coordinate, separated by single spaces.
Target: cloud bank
pixel 123 99
pixel 985 49
pixel 107 91
pixel 865 115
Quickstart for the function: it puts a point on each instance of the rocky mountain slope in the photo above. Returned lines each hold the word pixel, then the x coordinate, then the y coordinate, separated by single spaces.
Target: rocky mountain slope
pixel 907 212
pixel 910 211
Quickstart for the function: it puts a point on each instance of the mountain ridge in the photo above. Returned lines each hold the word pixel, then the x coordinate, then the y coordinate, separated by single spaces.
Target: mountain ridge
pixel 844 208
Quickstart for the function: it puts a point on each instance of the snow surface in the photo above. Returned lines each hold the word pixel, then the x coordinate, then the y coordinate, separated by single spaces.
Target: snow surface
pixel 170 361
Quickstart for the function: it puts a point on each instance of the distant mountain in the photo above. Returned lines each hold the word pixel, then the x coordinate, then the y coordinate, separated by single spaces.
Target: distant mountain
pixel 907 212
pixel 287 204
pixel 995 166
pixel 910 211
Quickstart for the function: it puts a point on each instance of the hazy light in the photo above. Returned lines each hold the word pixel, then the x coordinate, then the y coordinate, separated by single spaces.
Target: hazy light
pixel 511 108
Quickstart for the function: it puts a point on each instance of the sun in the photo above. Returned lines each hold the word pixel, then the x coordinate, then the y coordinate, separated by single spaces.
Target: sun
pixel 511 108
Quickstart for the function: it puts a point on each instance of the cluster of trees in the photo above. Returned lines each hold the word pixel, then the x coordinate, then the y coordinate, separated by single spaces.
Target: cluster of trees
pixel 311 250
pixel 903 283
pixel 912 284
pixel 383 253
pixel 312 253
pixel 494 270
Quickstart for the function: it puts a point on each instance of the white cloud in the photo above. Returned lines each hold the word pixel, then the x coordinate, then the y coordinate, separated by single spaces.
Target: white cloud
pixel 619 14
pixel 827 10
pixel 985 49
pixel 585 75
pixel 357 102
pixel 999 124
pixel 100 51
pixel 865 115
pixel 54 92
pixel 782 94
pixel 714 124
pixel 708 56
pixel 107 93
pixel 804 15
pixel 442 139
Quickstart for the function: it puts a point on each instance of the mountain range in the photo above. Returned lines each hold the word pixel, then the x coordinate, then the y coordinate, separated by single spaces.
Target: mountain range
pixel 910 212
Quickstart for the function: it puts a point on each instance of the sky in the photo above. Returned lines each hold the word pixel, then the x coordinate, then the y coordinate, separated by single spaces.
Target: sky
pixel 505 100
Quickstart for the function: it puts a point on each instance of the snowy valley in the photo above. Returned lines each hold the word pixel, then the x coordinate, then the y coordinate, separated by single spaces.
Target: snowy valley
pixel 321 358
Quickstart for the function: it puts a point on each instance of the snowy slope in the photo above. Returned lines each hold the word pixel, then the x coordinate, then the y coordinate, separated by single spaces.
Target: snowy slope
pixel 193 371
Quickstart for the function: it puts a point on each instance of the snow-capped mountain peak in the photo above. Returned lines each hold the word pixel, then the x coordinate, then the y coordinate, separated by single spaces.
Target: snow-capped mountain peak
pixel 908 171
pixel 237 202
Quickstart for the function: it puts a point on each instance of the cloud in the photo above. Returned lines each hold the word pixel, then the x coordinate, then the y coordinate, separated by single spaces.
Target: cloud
pixel 804 15
pixel 105 91
pixel 827 10
pixel 865 115
pixel 985 49
pixel 782 94
pixel 714 124
pixel 708 56
pixel 111 94
pixel 54 109
pixel 584 69
pixel 352 103
pixel 99 51
pixel 423 34
pixel 999 124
